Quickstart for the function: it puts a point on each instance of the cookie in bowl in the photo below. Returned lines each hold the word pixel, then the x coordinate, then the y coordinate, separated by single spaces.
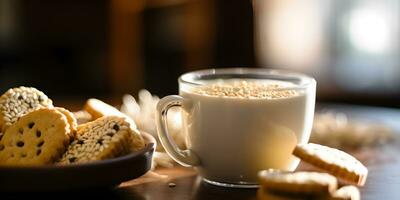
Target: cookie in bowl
pixel 104 138
pixel 37 138
pixel 17 102
pixel 73 125
pixel 97 108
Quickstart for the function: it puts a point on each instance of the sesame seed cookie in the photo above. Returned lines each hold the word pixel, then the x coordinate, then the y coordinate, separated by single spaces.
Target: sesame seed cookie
pixel 333 161
pixel 71 120
pixel 304 183
pixel 97 108
pixel 103 138
pixel 37 138
pixel 17 102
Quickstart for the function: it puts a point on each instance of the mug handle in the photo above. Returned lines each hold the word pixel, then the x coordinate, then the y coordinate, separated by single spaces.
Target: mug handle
pixel 186 157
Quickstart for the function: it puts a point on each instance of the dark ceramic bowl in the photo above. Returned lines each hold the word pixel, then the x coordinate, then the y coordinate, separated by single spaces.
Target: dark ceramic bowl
pixel 106 173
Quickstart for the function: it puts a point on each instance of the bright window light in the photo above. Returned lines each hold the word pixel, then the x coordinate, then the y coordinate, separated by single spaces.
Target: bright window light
pixel 369 29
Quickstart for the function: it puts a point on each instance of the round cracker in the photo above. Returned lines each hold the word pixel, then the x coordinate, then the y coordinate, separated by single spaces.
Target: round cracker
pixel 349 192
pixel 263 194
pixel 336 162
pixel 38 138
pixel 71 120
pixel 305 183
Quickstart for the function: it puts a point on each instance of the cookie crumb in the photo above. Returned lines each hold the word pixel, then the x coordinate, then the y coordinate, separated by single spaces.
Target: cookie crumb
pixel 171 185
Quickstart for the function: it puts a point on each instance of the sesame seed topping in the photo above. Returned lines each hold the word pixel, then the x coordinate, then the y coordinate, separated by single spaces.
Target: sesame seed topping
pixel 17 102
pixel 245 90
pixel 93 139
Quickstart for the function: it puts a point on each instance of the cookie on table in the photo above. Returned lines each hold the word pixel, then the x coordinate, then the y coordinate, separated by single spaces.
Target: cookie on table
pixel 348 192
pixel 71 120
pixel 263 194
pixel 336 162
pixel 300 183
pixel 37 138
pixel 104 138
pixel 17 102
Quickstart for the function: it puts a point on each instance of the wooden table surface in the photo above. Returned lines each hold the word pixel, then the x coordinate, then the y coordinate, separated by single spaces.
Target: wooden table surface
pixel 383 164
pixel 383 180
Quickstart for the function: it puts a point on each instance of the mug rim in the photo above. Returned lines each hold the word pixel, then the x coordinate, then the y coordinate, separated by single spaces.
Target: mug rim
pixel 305 80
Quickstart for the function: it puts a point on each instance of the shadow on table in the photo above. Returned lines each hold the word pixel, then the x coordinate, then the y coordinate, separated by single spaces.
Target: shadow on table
pixel 96 194
pixel 185 188
pixel 204 190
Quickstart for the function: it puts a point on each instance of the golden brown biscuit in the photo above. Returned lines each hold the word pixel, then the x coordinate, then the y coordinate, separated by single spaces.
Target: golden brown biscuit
pixel 263 194
pixel 38 138
pixel 103 138
pixel 98 108
pixel 333 161
pixel 71 120
pixel 17 102
pixel 348 192
pixel 304 183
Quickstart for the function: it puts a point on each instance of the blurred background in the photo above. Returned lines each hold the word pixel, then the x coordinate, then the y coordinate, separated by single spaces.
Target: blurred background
pixel 73 50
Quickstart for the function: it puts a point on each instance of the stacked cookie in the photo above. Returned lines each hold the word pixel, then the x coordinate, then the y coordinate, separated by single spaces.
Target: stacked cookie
pixel 34 132
pixel 97 109
pixel 340 167
pixel 39 137
pixel 106 137
pixel 17 102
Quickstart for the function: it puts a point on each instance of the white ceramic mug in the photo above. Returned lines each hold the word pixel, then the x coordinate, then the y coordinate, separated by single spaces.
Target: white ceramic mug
pixel 230 139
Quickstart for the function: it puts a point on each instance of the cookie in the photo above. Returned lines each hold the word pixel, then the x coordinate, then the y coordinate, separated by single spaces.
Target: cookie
pixel 336 162
pixel 103 138
pixel 71 120
pixel 82 117
pixel 98 108
pixel 37 138
pixel 302 183
pixel 17 102
pixel 263 194
pixel 348 192
pixel 344 193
